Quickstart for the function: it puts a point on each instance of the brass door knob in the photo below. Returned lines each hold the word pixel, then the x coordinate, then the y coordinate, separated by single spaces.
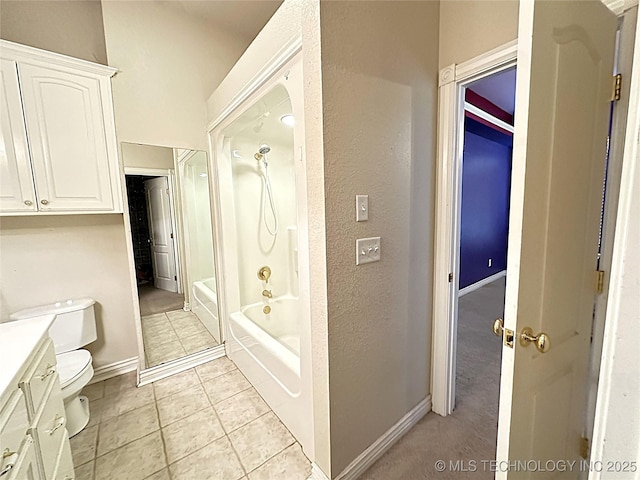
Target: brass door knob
pixel 541 340
pixel 498 327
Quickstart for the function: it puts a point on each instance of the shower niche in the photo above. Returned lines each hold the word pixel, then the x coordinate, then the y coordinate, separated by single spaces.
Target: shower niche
pixel 261 197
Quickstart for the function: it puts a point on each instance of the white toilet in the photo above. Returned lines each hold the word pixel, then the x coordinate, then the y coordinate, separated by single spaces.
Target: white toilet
pixel 73 328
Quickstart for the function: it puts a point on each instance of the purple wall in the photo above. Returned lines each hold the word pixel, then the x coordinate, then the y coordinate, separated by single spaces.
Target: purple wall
pixel 486 182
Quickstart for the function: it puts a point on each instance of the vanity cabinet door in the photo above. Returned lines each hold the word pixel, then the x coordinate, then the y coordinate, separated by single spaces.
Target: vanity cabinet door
pixel 66 128
pixel 16 178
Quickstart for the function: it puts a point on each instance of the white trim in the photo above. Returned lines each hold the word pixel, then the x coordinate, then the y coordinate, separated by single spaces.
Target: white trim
pixel 114 369
pixel 485 281
pixel 164 370
pixel 448 199
pixel 148 172
pixel 608 422
pixel 619 6
pixel 286 53
pixel 386 441
pixel 487 116
pixel 316 473
pixel 26 54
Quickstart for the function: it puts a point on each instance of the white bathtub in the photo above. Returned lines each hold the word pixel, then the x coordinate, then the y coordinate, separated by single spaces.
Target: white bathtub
pixel 264 347
pixel 204 303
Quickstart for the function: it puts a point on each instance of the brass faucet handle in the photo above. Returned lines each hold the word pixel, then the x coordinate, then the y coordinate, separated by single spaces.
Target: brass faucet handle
pixel 264 273
pixel 267 293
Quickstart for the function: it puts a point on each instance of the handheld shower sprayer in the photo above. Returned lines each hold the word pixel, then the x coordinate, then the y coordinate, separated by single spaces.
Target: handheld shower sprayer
pixel 267 192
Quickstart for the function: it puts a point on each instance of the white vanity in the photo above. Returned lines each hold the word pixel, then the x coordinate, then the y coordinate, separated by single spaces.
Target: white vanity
pixel 34 442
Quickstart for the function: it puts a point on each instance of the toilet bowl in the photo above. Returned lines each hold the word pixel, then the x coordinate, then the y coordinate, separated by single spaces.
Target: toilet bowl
pixel 73 328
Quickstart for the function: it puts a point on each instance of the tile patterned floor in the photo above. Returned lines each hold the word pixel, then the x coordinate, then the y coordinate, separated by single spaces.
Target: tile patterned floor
pixel 205 423
pixel 171 335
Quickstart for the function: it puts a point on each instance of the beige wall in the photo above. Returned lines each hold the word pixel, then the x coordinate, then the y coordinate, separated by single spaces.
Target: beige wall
pixel 72 28
pixel 146 156
pixel 49 258
pixel 471 27
pixel 379 88
pixel 169 64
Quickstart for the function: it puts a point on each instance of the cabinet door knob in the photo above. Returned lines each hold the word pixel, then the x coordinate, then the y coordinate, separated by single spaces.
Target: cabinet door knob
pixel 28 203
pixel 44 202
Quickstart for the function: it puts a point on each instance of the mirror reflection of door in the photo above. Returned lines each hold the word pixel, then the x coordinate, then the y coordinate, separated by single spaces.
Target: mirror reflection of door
pixel 172 256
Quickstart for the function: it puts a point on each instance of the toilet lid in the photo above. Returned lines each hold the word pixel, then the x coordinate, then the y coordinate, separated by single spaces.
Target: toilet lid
pixel 71 364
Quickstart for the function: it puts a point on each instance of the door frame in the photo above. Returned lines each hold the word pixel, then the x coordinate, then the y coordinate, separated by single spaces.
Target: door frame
pixel 452 80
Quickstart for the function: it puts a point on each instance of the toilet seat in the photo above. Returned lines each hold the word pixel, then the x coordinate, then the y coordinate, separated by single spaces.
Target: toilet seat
pixel 72 365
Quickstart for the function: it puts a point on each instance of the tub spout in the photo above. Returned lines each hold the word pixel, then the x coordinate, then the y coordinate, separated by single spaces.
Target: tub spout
pixel 267 293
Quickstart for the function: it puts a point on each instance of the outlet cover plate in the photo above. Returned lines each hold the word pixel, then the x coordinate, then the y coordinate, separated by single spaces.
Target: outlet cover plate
pixel 367 250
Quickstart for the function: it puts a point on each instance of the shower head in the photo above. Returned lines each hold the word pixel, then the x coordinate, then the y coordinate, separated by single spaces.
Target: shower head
pixel 264 149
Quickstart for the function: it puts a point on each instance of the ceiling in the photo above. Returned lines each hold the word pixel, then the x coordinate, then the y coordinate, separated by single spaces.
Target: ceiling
pixel 242 17
pixel 499 89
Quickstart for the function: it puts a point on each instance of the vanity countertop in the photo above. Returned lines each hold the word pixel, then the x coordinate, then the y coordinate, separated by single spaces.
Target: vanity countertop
pixel 17 341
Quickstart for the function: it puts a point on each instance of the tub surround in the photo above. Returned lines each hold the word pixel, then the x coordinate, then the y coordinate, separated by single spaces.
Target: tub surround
pixel 17 340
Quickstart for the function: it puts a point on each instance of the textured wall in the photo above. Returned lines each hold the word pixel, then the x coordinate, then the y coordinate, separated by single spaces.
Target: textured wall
pixel 72 28
pixel 469 28
pixel 379 79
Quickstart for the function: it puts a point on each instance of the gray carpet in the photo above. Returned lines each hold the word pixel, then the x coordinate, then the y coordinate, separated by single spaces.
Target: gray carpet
pixel 154 300
pixel 470 432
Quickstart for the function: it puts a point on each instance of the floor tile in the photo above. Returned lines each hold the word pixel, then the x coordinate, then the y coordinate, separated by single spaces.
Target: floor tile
pixel 95 412
pixel 164 353
pixel 216 461
pixel 161 475
pixel 215 368
pixel 240 409
pixel 83 445
pixel 126 428
pixel 85 472
pixel 188 325
pixel 134 461
pixel 153 339
pixel 226 386
pixel 93 391
pixel 155 324
pixel 181 405
pixel 291 464
pixel 178 314
pixel 198 342
pixel 185 436
pixel 260 440
pixel 175 383
pixel 121 382
pixel 125 401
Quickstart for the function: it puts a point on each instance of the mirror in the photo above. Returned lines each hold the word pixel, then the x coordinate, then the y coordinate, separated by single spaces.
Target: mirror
pixel 172 251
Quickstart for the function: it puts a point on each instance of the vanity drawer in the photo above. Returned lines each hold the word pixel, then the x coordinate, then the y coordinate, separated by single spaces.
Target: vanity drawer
pixel 49 430
pixel 14 423
pixel 39 376
pixel 25 467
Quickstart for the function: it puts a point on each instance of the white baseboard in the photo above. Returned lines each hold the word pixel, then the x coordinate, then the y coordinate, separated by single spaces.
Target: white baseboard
pixel 164 370
pixel 316 473
pixel 113 370
pixel 382 444
pixel 482 283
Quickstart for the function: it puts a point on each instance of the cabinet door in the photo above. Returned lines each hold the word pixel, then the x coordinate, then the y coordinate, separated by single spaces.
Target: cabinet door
pixel 16 178
pixel 65 124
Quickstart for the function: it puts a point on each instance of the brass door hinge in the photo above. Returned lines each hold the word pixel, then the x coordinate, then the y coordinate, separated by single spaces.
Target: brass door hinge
pixel 617 87
pixel 584 447
pixel 599 281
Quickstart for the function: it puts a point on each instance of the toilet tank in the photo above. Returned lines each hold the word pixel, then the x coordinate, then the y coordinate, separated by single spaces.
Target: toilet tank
pixel 74 325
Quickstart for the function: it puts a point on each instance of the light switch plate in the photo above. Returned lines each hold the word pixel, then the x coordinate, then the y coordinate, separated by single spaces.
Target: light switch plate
pixel 362 208
pixel 367 250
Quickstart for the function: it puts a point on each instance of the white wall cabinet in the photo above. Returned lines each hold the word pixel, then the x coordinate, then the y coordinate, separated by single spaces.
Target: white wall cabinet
pixel 58 149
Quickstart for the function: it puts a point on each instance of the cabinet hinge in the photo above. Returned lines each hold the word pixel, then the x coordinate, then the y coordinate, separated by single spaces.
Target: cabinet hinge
pixel 617 87
pixel 584 447
pixel 599 281
pixel 175 277
pixel 450 277
pixel 171 234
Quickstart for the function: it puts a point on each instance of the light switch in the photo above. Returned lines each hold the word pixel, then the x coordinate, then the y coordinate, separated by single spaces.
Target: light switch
pixel 362 208
pixel 367 250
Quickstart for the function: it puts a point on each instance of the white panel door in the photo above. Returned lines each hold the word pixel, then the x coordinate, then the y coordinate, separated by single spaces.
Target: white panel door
pixel 163 255
pixel 66 129
pixel 17 193
pixel 565 65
